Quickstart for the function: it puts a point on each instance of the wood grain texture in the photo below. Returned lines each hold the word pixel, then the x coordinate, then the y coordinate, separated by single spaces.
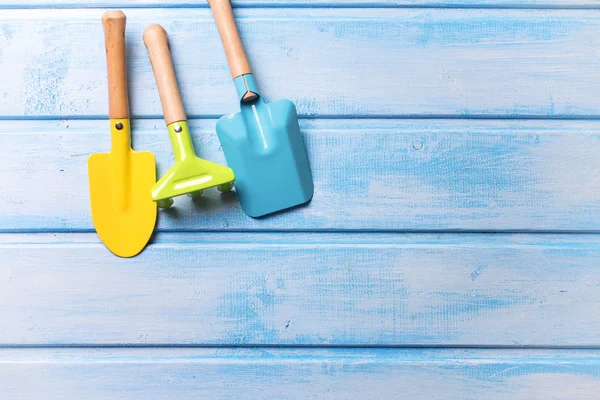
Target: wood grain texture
pixel 232 43
pixel 302 289
pixel 369 175
pixel 265 373
pixel 329 62
pixel 568 4
pixel 157 43
pixel 114 24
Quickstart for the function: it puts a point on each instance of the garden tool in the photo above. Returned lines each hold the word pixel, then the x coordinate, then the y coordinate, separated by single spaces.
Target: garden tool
pixel 189 175
pixel 262 143
pixel 120 181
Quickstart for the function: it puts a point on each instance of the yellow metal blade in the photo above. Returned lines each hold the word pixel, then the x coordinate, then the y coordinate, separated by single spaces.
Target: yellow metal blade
pixel 123 212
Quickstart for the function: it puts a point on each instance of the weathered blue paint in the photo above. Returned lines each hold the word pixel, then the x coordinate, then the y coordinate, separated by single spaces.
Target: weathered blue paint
pixel 368 77
pixel 392 62
pixel 543 4
pixel 299 374
pixel 369 175
pixel 303 289
pixel 569 4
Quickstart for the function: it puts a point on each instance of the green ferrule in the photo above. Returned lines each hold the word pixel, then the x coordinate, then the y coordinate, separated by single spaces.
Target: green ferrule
pixel 181 140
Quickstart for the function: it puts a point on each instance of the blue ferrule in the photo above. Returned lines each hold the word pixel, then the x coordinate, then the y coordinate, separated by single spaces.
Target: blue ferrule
pixel 245 84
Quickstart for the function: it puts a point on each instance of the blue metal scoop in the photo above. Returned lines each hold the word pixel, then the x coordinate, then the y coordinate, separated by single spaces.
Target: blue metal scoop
pixel 262 143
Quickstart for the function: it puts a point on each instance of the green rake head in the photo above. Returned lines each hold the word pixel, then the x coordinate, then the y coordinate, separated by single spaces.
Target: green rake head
pixel 190 174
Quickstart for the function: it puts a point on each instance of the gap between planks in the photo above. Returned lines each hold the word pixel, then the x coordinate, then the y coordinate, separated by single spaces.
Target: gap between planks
pixel 244 239
pixel 423 354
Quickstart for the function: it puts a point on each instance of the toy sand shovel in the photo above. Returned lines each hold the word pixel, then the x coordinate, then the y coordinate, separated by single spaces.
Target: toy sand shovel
pixel 120 181
pixel 262 143
pixel 189 175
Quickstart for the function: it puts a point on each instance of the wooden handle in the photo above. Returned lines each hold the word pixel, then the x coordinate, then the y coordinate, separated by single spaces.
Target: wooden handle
pixel 156 42
pixel 114 23
pixel 236 56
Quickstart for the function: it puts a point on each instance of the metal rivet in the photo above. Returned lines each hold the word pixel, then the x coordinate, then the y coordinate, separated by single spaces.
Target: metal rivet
pixel 177 128
pixel 119 125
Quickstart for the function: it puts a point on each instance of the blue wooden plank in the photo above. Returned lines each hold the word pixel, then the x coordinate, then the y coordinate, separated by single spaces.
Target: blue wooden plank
pixel 267 373
pixel 370 175
pixel 330 62
pixel 302 289
pixel 569 4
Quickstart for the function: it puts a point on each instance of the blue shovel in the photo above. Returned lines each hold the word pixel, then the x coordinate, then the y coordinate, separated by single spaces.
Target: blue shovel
pixel 262 143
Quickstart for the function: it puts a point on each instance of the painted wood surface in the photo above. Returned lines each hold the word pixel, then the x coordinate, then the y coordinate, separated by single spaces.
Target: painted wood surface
pixel 418 118
pixel 267 373
pixel 543 4
pixel 369 175
pixel 330 62
pixel 303 289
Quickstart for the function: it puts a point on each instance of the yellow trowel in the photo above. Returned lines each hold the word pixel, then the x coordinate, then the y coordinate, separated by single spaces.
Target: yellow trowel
pixel 121 181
